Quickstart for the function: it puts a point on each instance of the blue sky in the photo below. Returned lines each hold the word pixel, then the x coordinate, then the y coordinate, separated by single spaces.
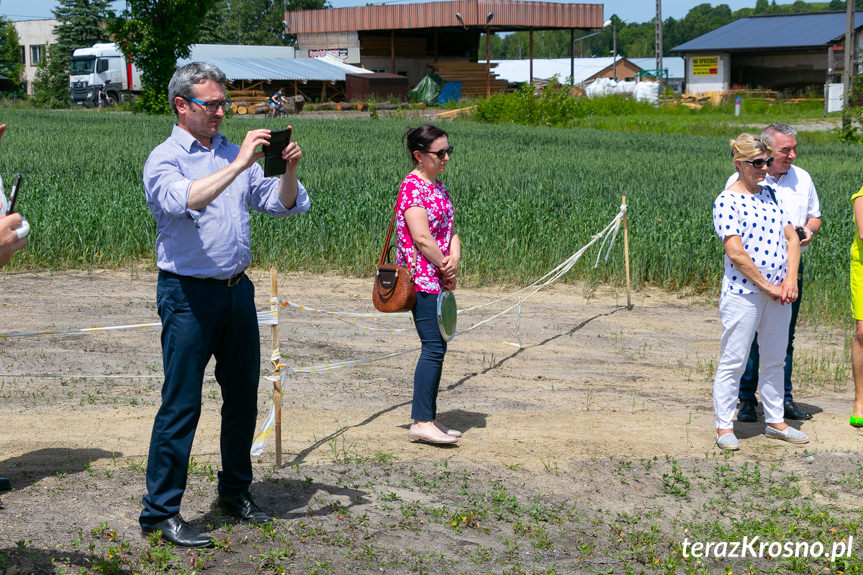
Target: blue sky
pixel 629 10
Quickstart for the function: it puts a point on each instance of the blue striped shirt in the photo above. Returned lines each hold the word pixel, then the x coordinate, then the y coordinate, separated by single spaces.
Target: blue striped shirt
pixel 213 242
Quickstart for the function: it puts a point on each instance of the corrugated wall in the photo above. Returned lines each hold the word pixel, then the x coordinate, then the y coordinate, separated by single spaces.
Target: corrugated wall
pixel 507 15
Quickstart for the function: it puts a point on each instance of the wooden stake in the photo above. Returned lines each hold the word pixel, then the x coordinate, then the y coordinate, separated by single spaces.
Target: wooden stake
pixel 625 253
pixel 276 359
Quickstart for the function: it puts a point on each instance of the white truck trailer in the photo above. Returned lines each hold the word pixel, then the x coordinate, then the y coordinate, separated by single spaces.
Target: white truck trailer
pixel 92 66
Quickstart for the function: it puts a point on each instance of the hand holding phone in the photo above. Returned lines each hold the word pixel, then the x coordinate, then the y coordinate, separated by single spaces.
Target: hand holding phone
pixel 13 195
pixel 274 165
pixel 24 228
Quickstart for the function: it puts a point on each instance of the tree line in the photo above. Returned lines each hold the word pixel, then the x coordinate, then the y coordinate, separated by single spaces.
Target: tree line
pixel 155 33
pixel 637 40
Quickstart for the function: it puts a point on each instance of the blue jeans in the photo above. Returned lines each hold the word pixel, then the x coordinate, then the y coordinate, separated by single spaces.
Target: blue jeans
pixel 430 364
pixel 200 320
pixel 749 381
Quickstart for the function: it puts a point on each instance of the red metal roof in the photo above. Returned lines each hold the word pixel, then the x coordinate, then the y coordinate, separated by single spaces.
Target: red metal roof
pixel 508 15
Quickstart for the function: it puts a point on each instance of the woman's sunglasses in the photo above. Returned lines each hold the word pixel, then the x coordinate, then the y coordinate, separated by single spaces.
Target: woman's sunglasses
pixel 448 151
pixel 759 163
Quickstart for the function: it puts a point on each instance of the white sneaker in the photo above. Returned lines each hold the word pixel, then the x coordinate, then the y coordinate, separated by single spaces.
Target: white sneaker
pixel 788 434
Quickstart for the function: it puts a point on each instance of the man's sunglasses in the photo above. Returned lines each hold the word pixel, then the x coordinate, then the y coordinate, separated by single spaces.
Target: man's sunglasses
pixel 442 153
pixel 759 163
pixel 213 105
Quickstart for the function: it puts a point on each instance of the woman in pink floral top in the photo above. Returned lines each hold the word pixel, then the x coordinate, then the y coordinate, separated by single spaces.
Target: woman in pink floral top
pixel 428 243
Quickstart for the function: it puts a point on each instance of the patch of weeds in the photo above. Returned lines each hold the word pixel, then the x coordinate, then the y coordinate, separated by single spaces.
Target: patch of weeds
pixel 550 466
pixel 384 458
pixel 481 555
pixel 676 483
pixel 158 555
pixel 201 470
pixel 623 467
pixel 503 505
pixel 344 453
pixel 460 520
pixel 274 560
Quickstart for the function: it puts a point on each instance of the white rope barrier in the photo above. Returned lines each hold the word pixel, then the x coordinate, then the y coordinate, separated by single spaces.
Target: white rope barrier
pixel 343 314
pixel 264 318
pixel 271 318
pixel 555 274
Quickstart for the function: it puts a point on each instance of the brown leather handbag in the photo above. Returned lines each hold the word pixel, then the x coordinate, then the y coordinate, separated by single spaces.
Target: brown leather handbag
pixel 394 285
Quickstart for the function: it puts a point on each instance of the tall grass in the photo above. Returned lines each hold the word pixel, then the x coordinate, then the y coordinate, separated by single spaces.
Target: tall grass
pixel 526 198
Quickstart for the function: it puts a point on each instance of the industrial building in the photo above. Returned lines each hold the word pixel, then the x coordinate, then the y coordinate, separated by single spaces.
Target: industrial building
pixel 783 52
pixel 414 40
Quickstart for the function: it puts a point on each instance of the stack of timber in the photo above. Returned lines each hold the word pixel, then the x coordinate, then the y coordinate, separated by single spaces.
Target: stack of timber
pixel 249 101
pixel 257 102
pixel 472 77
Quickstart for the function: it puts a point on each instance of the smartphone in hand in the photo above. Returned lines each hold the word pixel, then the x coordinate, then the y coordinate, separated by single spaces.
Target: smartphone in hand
pixel 274 165
pixel 13 194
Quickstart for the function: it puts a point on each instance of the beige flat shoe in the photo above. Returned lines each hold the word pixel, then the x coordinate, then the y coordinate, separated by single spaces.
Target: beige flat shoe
pixel 447 430
pixel 430 438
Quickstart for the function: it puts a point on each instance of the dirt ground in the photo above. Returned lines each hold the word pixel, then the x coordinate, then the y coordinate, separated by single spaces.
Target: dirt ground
pixel 593 384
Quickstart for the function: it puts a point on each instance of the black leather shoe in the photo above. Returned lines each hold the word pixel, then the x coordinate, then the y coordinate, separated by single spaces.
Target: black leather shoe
pixel 794 412
pixel 747 411
pixel 242 507
pixel 178 532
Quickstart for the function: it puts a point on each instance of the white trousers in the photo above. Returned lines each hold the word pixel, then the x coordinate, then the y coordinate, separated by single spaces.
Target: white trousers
pixel 742 316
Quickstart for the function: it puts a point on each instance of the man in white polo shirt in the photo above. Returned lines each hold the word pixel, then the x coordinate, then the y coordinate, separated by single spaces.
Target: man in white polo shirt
pixel 798 198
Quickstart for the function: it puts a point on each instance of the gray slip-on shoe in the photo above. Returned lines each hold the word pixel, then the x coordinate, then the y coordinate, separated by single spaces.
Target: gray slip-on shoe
pixel 788 434
pixel 728 442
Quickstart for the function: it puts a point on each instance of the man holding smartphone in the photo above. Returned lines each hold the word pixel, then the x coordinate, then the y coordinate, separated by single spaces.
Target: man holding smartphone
pixel 10 242
pixel 199 188
pixel 796 193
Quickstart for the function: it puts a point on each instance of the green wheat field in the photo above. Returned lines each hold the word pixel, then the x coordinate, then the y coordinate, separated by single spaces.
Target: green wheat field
pixel 526 198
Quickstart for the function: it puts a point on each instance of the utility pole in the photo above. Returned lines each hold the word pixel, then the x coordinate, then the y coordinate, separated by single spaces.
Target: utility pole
pixel 849 56
pixel 658 37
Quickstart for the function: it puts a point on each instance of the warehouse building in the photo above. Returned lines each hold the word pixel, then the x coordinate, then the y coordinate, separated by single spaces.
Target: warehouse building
pixel 414 40
pixel 784 52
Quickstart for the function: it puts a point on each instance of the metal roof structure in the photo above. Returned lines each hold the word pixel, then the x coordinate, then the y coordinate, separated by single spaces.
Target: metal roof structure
pixel 584 68
pixel 774 32
pixel 301 69
pixel 508 15
pixel 546 68
pixel 202 52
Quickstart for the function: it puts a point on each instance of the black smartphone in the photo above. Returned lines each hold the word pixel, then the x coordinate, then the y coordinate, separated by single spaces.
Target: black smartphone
pixel 13 194
pixel 801 233
pixel 274 165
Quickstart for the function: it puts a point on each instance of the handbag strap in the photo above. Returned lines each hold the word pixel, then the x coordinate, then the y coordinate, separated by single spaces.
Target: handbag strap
pixel 411 262
pixel 389 236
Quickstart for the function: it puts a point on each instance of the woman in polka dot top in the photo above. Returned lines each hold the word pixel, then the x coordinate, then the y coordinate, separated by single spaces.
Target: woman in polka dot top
pixel 762 254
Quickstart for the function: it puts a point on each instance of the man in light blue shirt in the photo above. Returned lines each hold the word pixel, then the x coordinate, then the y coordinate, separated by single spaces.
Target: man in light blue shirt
pixel 199 188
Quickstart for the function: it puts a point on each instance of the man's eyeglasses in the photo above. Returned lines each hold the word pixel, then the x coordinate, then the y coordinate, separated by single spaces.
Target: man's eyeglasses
pixel 442 153
pixel 213 105
pixel 759 163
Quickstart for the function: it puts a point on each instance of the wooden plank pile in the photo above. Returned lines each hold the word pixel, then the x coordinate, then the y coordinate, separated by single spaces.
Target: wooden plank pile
pixel 472 77
pixel 250 101
pixel 256 102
